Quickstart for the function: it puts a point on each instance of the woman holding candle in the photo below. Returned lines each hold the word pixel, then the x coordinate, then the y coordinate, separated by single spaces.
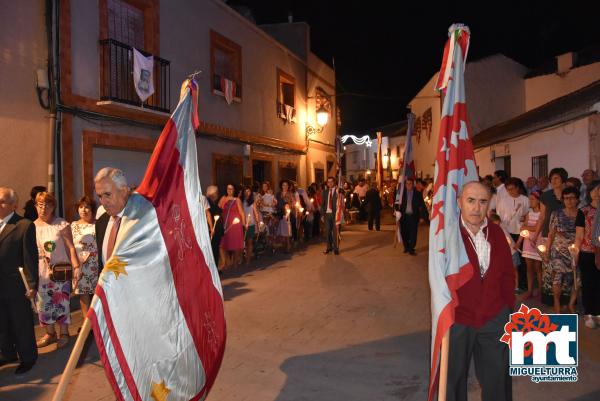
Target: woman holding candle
pixel 252 217
pixel 55 246
pixel 561 239
pixel 234 221
pixel 590 275
pixel 532 257
pixel 285 201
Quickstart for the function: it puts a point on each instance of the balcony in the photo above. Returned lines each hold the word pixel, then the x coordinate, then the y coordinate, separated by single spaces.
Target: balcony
pixel 116 80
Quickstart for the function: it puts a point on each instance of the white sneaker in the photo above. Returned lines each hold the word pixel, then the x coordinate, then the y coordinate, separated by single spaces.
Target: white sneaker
pixel 589 322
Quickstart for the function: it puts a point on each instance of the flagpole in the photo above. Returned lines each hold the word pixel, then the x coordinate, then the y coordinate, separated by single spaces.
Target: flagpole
pixel 73 359
pixel 443 383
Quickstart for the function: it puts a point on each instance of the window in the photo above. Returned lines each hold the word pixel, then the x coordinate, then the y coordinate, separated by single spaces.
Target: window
pixel 126 23
pixel 226 63
pixel 286 99
pixel 503 163
pixel 539 166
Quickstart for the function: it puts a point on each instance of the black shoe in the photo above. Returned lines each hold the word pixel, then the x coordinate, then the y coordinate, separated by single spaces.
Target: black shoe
pixel 413 253
pixel 406 251
pixel 326 251
pixel 336 252
pixel 6 361
pixel 24 368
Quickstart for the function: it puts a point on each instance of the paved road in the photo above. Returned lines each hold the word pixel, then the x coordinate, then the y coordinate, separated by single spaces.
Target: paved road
pixel 353 327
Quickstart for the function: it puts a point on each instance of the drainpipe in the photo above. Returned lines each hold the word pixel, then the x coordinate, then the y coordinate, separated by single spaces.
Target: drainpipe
pixel 52 103
pixel 54 150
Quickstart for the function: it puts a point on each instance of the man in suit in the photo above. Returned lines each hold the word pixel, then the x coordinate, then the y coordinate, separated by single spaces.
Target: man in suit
pixel 329 211
pixel 18 248
pixel 112 190
pixel 373 202
pixel 412 208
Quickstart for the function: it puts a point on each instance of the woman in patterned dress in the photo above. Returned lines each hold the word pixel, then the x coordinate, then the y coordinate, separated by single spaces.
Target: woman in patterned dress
pixel 55 245
pixel 84 237
pixel 234 221
pixel 560 238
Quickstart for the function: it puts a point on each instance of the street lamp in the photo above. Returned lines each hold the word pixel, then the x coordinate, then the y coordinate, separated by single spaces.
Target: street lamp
pixel 322 120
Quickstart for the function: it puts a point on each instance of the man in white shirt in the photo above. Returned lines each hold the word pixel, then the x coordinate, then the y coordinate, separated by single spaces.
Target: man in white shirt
pixel 512 208
pixel 361 191
pixel 112 190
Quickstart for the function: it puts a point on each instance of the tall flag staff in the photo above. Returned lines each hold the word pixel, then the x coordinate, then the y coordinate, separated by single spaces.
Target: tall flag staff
pixel 379 162
pixel 449 266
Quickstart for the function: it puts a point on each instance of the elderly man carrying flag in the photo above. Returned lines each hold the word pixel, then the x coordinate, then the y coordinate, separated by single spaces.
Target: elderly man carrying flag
pixel 158 315
pixel 470 268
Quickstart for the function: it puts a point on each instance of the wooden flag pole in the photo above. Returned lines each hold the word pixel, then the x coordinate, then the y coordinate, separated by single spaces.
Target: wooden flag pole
pixel 73 359
pixel 444 367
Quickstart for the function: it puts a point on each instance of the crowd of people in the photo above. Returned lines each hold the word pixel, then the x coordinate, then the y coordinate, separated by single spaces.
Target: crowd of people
pixel 551 226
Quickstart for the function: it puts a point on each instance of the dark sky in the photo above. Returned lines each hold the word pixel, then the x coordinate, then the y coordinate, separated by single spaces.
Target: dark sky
pixel 385 51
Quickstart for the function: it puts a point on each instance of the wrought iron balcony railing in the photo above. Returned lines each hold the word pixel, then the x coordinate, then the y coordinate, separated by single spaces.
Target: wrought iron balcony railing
pixel 116 81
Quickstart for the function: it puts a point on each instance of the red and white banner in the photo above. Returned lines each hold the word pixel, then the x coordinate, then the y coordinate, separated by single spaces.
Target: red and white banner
pixel 158 311
pixel 449 266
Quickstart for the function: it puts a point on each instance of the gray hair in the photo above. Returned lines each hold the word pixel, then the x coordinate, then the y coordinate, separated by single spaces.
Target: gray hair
pixel 475 183
pixel 116 175
pixel 12 195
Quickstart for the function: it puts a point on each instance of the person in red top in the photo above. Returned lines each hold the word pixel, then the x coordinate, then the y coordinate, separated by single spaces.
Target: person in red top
pixel 485 302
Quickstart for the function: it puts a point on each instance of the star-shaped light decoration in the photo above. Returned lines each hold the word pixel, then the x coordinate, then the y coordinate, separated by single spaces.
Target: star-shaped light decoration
pixel 160 392
pixel 116 266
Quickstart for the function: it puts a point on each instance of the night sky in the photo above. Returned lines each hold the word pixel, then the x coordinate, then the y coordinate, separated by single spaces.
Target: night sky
pixel 385 51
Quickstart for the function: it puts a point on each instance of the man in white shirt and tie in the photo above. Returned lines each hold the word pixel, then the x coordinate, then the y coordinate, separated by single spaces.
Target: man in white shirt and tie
pixel 112 190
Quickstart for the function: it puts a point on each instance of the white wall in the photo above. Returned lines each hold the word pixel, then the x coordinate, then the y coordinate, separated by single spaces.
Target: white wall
pixel 566 146
pixel 494 93
pixel 494 90
pixel 24 124
pixel 544 88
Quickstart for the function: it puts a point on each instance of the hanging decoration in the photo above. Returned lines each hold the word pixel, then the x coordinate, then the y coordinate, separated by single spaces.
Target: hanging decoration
pixel 363 140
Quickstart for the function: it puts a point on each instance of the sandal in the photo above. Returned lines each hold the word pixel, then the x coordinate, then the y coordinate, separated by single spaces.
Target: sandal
pixel 63 341
pixel 46 340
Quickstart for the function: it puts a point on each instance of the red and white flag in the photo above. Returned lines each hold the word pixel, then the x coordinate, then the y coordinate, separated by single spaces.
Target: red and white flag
pixel 158 314
pixel 449 266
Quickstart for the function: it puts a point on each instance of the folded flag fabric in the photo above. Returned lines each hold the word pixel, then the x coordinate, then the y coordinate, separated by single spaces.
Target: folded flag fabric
pixel 449 266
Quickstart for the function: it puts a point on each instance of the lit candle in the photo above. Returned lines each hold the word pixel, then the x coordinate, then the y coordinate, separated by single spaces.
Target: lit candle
pixel 301 210
pixel 541 248
pixel 236 220
pixel 27 287
pixel 312 200
pixel 212 232
pixel 307 213
pixel 525 233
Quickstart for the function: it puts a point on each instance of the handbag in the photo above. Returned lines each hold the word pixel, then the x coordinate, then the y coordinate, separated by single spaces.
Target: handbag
pixel 61 272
